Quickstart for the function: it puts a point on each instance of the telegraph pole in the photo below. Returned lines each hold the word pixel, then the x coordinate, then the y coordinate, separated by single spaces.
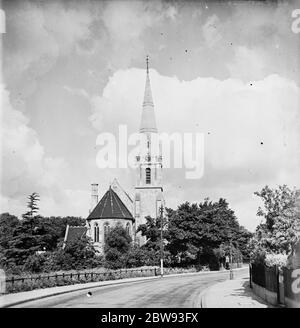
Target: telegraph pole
pixel 161 243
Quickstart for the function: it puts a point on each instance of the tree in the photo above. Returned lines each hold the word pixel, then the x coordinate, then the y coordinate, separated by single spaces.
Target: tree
pixel 152 231
pixel 152 248
pixel 8 226
pixel 21 239
pixel 196 230
pixel 52 230
pixel 32 205
pixel 279 231
pixel 77 254
pixel 25 240
pixel 140 256
pixel 117 246
pixel 35 263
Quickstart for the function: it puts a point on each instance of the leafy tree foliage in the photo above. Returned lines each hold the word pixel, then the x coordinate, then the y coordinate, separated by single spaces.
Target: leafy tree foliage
pixel 77 254
pixel 117 246
pixel 139 256
pixel 277 202
pixel 152 248
pixel 196 230
pixel 32 205
pixel 193 234
pixel 21 239
pixel 279 231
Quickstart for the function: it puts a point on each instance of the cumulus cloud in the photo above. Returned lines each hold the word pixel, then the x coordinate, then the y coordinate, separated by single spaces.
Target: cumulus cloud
pixel 36 37
pixel 247 109
pixel 252 134
pixel 210 30
pixel 248 64
pixel 26 168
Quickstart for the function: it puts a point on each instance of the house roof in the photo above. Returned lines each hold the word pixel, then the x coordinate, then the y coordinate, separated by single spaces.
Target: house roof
pixel 74 232
pixel 110 207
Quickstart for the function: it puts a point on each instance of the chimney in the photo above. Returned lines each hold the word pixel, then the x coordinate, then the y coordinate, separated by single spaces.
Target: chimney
pixel 94 195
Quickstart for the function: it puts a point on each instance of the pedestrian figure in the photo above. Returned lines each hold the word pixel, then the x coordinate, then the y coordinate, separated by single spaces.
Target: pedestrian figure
pixel 227 262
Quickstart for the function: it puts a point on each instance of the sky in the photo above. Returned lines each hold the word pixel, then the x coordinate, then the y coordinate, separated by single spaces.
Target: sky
pixel 74 69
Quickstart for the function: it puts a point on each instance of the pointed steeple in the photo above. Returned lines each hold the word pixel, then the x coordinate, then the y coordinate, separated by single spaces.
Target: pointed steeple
pixel 148 123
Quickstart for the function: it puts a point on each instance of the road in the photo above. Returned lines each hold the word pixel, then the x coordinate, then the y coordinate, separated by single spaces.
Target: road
pixel 168 292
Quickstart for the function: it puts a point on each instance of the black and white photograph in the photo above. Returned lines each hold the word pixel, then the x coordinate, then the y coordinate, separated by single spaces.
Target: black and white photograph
pixel 149 157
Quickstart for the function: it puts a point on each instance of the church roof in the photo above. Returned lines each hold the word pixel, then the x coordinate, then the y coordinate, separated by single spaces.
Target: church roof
pixel 148 123
pixel 117 187
pixel 110 207
pixel 73 233
pixel 124 196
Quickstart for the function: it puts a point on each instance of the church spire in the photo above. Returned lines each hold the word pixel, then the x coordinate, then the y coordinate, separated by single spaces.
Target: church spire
pixel 148 123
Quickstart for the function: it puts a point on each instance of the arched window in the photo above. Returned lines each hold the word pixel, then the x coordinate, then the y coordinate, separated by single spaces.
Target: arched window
pixel 128 228
pixel 106 230
pixel 96 233
pixel 148 175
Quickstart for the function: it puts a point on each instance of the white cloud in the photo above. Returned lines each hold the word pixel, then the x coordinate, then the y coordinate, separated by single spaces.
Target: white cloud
pixel 36 37
pixel 171 12
pixel 25 168
pixel 77 92
pixel 211 31
pixel 252 134
pixel 248 64
pixel 84 43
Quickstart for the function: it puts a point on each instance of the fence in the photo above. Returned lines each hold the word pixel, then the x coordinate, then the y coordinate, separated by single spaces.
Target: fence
pixel 278 287
pixel 17 284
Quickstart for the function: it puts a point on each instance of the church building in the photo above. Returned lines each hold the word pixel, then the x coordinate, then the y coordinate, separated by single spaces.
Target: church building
pixel 116 206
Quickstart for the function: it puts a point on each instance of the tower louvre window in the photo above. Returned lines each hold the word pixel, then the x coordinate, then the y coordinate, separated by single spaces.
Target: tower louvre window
pixel 148 175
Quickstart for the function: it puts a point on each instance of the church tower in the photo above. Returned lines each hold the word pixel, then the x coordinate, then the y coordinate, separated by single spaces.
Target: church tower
pixel 148 190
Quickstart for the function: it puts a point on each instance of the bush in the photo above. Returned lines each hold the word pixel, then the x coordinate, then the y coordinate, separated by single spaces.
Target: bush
pixel 279 260
pixel 35 263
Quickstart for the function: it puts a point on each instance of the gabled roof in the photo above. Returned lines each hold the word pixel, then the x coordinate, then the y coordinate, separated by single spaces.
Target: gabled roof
pixel 110 207
pixel 73 233
pixel 124 196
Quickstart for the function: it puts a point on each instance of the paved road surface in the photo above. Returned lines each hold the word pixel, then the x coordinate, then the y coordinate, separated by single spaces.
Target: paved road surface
pixel 179 291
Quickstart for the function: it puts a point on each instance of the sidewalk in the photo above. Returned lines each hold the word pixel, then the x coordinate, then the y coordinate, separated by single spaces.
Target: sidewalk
pixel 234 293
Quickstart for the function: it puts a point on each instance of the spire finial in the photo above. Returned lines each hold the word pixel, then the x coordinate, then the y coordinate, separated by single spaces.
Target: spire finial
pixel 147 62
